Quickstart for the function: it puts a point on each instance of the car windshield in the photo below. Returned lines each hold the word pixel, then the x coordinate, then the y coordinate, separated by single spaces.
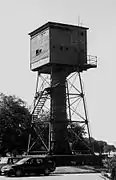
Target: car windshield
pixel 22 161
pixel 3 160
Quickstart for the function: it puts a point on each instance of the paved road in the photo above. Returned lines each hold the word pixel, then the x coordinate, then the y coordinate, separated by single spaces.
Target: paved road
pixel 87 176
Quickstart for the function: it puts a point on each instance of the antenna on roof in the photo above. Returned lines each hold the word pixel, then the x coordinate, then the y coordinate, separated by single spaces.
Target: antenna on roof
pixel 78 20
pixel 80 23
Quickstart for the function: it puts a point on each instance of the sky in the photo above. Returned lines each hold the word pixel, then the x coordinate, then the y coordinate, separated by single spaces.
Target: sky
pixel 19 17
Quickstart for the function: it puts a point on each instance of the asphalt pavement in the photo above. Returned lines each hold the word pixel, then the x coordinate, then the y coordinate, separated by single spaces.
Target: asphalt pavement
pixel 80 176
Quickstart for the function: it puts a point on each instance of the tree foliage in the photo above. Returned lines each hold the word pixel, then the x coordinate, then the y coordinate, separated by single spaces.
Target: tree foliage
pixel 109 149
pixel 101 147
pixel 14 120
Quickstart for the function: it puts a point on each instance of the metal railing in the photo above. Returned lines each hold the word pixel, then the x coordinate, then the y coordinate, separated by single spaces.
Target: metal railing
pixel 92 60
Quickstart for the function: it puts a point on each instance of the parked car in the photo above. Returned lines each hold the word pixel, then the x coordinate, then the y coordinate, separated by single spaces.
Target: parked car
pixel 29 165
pixel 8 161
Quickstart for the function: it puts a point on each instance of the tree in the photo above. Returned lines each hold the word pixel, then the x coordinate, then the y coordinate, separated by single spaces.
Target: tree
pixel 76 138
pixel 101 145
pixel 14 120
pixel 75 131
pixel 98 146
pixel 109 148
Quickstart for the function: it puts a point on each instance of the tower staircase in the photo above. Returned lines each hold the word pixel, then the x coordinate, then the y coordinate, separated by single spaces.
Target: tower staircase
pixel 40 100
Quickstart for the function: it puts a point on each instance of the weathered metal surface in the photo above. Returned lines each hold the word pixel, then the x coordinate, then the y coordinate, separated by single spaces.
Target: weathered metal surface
pixel 58 108
pixel 57 44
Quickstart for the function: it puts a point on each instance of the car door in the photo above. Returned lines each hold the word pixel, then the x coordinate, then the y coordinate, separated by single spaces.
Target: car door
pixel 40 165
pixel 27 167
pixel 34 165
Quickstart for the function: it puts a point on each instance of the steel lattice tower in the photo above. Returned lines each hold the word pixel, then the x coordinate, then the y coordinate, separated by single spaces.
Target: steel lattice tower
pixel 59 55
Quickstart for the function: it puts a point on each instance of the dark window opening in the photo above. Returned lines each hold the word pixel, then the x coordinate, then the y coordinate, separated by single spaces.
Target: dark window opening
pixel 61 48
pixel 82 33
pixel 38 51
pixel 67 48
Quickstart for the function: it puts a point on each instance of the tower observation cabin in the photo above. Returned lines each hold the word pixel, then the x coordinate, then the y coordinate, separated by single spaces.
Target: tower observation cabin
pixel 61 44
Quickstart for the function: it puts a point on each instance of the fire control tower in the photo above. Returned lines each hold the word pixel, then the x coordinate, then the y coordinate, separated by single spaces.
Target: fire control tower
pixel 57 52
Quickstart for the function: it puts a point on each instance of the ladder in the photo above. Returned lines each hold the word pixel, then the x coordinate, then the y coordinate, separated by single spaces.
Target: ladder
pixel 41 98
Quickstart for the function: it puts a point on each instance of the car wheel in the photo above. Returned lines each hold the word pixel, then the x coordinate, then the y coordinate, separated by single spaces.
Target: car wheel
pixel 9 174
pixel 46 172
pixel 53 167
pixel 19 172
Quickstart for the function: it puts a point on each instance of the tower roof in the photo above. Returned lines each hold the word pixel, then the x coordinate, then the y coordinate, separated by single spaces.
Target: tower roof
pixel 55 25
